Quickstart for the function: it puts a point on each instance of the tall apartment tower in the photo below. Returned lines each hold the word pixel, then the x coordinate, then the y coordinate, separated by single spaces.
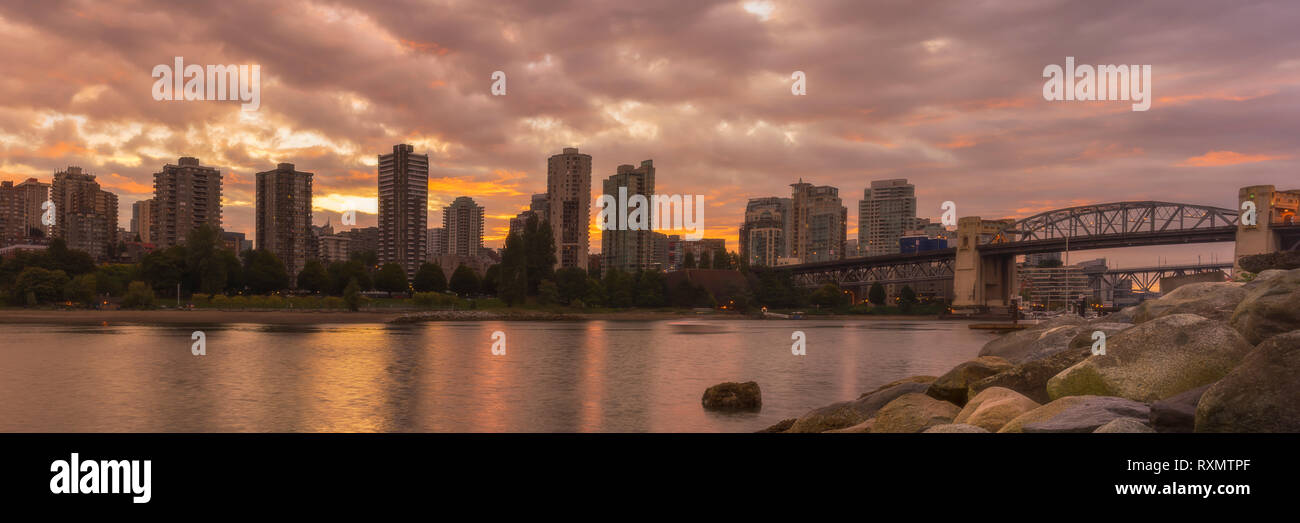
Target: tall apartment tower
pixel 284 217
pixel 819 223
pixel 568 206
pixel 20 212
pixel 85 215
pixel 437 242
pixel 403 208
pixel 887 210
pixel 621 247
pixel 186 195
pixel 462 222
pixel 765 233
pixel 141 216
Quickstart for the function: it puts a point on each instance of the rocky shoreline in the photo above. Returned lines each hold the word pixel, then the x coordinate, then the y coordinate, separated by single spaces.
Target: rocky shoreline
pixel 1207 357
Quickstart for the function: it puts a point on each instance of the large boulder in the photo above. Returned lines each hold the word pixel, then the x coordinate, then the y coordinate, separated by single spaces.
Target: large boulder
pixel 994 407
pixel 954 428
pixel 1030 378
pixel 1043 338
pixel 780 426
pixel 913 412
pixel 1214 300
pixel 1124 426
pixel 861 428
pixel 850 413
pixel 1124 315
pixel 1076 414
pixel 1270 307
pixel 952 387
pixel 1177 413
pixel 1260 395
pixel 733 396
pixel 1284 260
pixel 1155 360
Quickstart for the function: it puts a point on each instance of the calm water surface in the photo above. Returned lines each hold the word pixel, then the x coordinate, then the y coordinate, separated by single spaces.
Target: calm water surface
pixel 599 376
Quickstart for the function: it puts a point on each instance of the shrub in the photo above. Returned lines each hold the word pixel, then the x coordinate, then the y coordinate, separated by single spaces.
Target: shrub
pixel 138 296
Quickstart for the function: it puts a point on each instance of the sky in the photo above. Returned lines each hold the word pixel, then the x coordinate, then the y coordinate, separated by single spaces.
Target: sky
pixel 948 94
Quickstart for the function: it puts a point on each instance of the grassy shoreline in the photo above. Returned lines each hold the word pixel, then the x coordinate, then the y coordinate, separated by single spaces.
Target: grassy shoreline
pixel 301 317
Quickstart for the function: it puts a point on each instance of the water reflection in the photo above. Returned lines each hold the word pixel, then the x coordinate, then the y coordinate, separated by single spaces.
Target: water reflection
pixel 598 376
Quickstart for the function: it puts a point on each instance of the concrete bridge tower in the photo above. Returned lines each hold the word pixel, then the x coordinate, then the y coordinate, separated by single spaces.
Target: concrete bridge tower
pixel 982 281
pixel 1273 209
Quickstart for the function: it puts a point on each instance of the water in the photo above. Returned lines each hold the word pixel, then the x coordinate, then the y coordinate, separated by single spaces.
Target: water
pixel 598 376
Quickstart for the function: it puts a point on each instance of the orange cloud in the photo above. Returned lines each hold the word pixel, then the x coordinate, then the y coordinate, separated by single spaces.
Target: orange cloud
pixel 425 47
pixel 1221 158
pixel 117 181
pixel 62 149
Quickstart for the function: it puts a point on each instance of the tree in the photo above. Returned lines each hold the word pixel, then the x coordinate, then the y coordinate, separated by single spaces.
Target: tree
pixel 81 289
pixel 352 295
pixel 36 285
pixel 313 277
pixel 539 248
pixel 164 269
pixel 572 284
pixel 512 284
pixel 491 279
pixel 366 258
pixel 876 295
pixel 720 260
pixel 391 278
pixel 341 273
pixel 205 270
pixel 907 298
pixel 234 271
pixel 830 296
pixel 547 293
pixel 139 295
pixel 265 273
pixel 72 262
pixel 689 262
pixel 620 288
pixel 112 279
pixel 429 278
pixel 704 259
pixel 650 289
pixel 463 281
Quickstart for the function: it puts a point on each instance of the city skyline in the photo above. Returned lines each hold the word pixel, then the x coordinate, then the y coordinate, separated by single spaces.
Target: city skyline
pixel 994 146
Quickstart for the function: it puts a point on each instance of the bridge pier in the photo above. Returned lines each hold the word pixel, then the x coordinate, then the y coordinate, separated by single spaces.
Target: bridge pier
pixel 1275 212
pixel 981 282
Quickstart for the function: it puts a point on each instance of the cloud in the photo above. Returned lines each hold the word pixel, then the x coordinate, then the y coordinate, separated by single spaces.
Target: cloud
pixel 1221 158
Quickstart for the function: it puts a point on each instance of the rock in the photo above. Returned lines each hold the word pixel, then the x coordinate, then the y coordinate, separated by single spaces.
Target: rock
pixel 1177 413
pixel 780 426
pixel 1017 346
pixel 914 379
pixel 1124 315
pixel 1124 426
pixel 861 428
pixel 1030 378
pixel 913 412
pixel 1076 414
pixel 1260 395
pixel 1262 278
pixel 1081 339
pixel 733 396
pixel 850 413
pixel 951 387
pixel 994 407
pixel 1155 360
pixel 1270 307
pixel 1214 300
pixel 1283 260
pixel 954 428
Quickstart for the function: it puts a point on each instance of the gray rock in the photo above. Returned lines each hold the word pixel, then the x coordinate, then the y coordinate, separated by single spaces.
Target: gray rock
pixel 1076 414
pixel 1177 413
pixel 1030 378
pixel 952 387
pixel 1284 260
pixel 1124 426
pixel 780 426
pixel 733 396
pixel 994 407
pixel 1044 338
pixel 1260 395
pixel 1270 307
pixel 861 428
pixel 954 428
pixel 1124 315
pixel 1214 300
pixel 1155 360
pixel 911 413
pixel 850 413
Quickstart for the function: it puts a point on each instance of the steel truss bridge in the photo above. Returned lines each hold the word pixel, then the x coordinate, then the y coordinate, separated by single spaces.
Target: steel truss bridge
pixel 1099 226
pixel 1147 279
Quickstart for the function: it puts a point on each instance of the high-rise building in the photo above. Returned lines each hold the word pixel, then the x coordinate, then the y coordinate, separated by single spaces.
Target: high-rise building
pixel 536 209
pixel 333 248
pixel 283 210
pixel 819 223
pixel 362 240
pixel 141 216
pixel 186 195
pixel 236 242
pixel 886 211
pixel 437 242
pixel 714 247
pixel 85 215
pixel 20 212
pixel 765 233
pixel 463 223
pixel 621 247
pixel 568 205
pixel 403 208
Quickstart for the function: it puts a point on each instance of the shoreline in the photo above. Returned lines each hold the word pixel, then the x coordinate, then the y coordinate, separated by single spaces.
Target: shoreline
pixel 286 317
